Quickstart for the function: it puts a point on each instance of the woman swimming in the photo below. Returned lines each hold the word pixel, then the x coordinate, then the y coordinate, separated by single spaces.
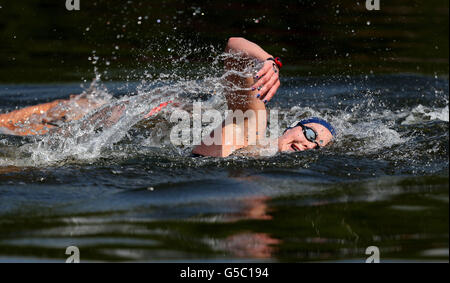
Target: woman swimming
pixel 251 96
pixel 246 93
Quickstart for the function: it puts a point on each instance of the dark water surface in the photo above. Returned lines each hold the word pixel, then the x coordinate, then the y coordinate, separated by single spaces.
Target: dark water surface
pixel 132 196
pixel 125 193
pixel 43 42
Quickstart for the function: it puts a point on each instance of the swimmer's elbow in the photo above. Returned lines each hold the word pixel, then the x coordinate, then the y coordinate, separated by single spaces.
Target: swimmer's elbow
pixel 233 42
pixel 234 39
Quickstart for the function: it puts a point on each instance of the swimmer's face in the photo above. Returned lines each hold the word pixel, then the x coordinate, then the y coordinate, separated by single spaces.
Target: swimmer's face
pixel 295 140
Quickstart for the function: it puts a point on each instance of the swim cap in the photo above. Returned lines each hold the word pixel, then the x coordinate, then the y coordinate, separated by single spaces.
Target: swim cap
pixel 314 120
pixel 321 122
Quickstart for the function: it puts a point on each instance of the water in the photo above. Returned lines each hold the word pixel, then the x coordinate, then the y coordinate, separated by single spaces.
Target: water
pixel 125 193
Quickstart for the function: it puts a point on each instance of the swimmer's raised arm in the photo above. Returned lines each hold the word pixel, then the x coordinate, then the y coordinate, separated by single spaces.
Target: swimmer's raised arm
pixel 244 95
pixel 268 76
pixel 247 97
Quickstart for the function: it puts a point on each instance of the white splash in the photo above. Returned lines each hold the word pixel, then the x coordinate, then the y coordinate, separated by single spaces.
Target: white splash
pixel 422 113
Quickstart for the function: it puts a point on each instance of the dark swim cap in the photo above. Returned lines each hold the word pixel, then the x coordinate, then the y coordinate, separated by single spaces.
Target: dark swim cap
pixel 318 121
pixel 321 122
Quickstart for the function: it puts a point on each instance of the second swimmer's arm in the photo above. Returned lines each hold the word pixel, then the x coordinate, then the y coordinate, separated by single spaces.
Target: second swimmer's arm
pixel 21 115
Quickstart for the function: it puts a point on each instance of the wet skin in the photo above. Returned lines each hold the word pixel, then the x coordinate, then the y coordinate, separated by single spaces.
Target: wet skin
pixel 294 139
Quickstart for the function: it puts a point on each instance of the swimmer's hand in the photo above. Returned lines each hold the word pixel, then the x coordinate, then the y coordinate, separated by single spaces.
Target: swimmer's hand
pixel 269 81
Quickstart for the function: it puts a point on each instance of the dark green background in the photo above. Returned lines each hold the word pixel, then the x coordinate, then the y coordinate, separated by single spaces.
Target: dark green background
pixel 40 41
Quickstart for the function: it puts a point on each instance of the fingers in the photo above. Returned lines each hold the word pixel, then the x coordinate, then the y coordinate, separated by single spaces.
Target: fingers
pixel 268 85
pixel 272 91
pixel 263 81
pixel 262 75
pixel 263 70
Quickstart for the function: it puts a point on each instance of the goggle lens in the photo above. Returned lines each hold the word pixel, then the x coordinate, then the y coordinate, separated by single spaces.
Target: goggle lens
pixel 310 134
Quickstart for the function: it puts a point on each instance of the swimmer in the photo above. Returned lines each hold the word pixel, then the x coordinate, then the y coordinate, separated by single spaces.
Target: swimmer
pixel 312 133
pixel 253 93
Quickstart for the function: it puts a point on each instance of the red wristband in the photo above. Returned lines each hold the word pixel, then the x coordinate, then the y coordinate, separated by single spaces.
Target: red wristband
pixel 277 61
